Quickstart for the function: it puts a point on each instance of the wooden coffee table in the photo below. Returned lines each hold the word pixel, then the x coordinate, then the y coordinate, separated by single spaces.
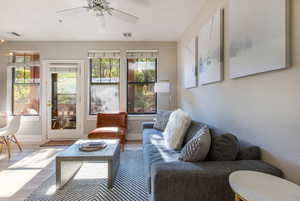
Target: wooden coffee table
pixel 69 161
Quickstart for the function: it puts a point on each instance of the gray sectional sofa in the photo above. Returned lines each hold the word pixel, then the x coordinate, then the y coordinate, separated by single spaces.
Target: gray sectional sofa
pixel 169 179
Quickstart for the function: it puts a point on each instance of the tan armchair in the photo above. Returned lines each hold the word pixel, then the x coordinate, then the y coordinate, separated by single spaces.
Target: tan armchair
pixel 111 126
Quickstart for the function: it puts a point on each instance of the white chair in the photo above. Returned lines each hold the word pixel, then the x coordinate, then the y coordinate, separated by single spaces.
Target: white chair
pixel 7 136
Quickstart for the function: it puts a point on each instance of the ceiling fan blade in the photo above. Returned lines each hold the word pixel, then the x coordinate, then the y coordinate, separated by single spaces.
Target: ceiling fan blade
pixel 142 2
pixel 101 23
pixel 73 10
pixel 124 16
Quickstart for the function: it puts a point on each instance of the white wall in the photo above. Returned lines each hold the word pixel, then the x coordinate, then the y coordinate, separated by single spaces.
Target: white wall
pixel 263 109
pixel 167 70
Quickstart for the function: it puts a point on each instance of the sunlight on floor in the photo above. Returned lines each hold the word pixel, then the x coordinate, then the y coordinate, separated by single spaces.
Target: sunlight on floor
pixel 51 190
pixel 27 170
pixel 13 180
pixel 89 170
pixel 17 175
pixel 38 159
pixel 98 170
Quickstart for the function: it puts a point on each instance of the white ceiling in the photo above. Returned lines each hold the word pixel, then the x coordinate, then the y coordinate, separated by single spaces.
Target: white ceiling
pixel 160 20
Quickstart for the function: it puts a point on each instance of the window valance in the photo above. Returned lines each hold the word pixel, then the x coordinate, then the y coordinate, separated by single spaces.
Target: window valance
pixel 142 54
pixel 104 54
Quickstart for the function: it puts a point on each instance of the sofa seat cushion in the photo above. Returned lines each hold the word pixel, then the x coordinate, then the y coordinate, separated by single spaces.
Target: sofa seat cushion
pixel 157 154
pixel 217 168
pixel 152 136
pixel 206 180
pixel 107 132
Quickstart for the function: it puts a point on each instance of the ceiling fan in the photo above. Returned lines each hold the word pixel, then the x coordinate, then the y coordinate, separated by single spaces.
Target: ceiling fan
pixel 100 8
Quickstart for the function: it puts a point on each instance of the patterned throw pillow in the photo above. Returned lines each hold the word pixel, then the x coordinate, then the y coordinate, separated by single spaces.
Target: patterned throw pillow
pixel 198 147
pixel 162 119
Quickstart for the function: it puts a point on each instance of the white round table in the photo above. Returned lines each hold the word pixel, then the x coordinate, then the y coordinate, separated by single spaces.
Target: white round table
pixel 257 186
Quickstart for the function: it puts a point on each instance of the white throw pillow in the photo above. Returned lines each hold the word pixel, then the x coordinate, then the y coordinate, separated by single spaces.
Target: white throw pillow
pixel 177 126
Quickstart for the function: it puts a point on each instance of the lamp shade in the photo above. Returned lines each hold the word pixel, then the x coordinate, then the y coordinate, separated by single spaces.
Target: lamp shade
pixel 162 87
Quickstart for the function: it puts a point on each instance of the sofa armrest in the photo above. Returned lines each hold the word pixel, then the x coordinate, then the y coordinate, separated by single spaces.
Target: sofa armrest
pixel 204 181
pixel 147 125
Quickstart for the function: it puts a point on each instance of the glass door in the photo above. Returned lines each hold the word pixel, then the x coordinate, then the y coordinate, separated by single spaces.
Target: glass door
pixel 63 103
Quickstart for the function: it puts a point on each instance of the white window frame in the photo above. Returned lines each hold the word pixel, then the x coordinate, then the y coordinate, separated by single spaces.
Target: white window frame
pixel 9 98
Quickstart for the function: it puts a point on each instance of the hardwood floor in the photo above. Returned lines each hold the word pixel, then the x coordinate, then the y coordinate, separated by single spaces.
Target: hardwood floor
pixel 26 170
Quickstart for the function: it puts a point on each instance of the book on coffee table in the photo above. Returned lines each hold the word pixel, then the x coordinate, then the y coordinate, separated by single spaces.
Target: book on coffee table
pixel 92 146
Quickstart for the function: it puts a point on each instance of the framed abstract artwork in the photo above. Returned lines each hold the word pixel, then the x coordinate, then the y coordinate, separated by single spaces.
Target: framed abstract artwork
pixel 210 50
pixel 259 38
pixel 190 64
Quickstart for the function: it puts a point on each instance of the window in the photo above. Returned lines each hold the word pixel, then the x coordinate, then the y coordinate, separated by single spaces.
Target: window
pixel 141 77
pixel 25 84
pixel 64 88
pixel 104 82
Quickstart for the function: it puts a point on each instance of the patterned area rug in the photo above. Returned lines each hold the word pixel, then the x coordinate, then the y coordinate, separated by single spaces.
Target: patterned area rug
pixel 90 183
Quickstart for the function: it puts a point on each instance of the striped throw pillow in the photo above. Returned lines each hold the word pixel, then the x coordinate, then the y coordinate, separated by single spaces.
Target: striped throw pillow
pixel 198 147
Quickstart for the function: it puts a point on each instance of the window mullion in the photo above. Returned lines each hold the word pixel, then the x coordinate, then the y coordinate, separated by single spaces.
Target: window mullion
pixel 110 69
pixel 100 69
pixel 146 77
pixel 24 73
pixel 91 70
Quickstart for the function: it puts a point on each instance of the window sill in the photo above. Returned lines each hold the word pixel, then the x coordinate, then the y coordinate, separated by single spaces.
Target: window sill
pixel 141 117
pixel 91 117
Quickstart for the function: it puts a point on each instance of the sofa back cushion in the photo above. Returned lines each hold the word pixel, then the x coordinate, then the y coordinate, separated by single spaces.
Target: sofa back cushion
pixel 224 148
pixel 175 131
pixel 162 119
pixel 249 153
pixel 246 151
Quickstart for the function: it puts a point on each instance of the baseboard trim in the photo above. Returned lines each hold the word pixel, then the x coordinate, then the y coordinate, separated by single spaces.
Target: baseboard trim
pixel 29 138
